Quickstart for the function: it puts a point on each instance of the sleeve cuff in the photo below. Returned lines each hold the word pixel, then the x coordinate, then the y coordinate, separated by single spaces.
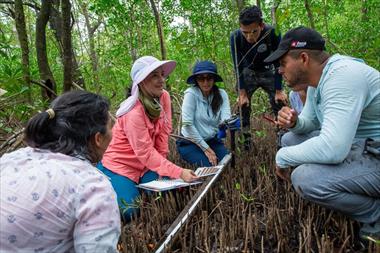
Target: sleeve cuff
pixel 279 161
pixel 176 172
pixel 296 126
pixel 204 145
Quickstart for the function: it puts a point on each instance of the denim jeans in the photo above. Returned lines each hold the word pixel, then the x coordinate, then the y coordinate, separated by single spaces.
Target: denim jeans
pixel 194 155
pixel 126 190
pixel 351 187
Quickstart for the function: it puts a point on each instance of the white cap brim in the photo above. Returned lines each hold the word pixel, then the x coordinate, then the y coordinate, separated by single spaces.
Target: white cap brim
pixel 167 66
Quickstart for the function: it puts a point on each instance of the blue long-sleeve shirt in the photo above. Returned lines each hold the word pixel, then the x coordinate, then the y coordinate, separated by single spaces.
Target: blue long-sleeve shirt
pixel 295 101
pixel 254 59
pixel 198 120
pixel 345 104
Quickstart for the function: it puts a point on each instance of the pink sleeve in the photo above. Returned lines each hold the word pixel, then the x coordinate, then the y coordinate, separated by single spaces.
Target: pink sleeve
pixel 137 133
pixel 162 139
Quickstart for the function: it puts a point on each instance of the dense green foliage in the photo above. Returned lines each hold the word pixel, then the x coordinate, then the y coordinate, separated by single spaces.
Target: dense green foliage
pixel 193 29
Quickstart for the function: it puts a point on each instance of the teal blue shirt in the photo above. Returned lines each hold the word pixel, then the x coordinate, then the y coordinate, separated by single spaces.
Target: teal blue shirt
pixel 198 120
pixel 345 105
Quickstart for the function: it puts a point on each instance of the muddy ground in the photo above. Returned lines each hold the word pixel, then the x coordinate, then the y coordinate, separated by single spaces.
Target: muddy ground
pixel 247 210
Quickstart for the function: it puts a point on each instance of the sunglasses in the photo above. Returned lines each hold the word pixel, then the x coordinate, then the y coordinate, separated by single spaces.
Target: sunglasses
pixel 202 78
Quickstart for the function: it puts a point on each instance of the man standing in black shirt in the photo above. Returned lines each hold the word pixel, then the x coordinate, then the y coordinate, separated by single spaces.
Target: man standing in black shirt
pixel 250 45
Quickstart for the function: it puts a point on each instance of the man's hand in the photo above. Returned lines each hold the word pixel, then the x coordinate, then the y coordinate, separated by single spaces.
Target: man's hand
pixel 284 174
pixel 281 96
pixel 188 175
pixel 287 117
pixel 211 156
pixel 243 98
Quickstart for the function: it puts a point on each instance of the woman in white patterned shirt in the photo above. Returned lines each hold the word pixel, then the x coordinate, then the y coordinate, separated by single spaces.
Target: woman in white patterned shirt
pixel 52 198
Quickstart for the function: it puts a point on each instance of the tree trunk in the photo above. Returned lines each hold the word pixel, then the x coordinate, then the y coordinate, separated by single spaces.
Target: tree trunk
pixel 131 36
pixel 66 45
pixel 240 5
pixel 258 3
pixel 43 64
pixel 56 26
pixel 309 14
pixel 91 29
pixel 23 39
pixel 276 3
pixel 325 21
pixel 364 11
pixel 159 29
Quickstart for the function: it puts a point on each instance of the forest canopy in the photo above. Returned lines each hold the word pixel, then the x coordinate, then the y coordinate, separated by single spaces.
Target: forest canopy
pixel 92 43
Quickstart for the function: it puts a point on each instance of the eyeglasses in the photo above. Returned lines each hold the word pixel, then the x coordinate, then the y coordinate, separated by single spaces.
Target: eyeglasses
pixel 202 78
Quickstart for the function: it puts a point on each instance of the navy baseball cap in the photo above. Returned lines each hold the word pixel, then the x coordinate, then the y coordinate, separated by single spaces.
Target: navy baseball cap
pixel 298 38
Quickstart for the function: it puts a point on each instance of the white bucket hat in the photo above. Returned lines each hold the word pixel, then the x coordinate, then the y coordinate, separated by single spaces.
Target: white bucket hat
pixel 141 68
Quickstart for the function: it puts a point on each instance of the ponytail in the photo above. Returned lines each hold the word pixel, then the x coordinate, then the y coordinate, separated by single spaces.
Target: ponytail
pixel 37 130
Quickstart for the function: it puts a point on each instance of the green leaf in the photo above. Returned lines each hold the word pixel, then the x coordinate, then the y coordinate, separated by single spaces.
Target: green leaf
pixel 247 198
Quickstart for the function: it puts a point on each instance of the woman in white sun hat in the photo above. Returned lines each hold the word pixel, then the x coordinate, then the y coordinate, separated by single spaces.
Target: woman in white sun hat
pixel 139 146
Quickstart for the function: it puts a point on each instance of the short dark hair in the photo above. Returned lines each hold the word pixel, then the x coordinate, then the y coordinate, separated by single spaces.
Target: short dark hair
pixel 79 115
pixel 251 15
pixel 317 55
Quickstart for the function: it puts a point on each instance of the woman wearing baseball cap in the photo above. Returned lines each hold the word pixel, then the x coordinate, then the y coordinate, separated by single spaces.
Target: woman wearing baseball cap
pixel 139 147
pixel 204 107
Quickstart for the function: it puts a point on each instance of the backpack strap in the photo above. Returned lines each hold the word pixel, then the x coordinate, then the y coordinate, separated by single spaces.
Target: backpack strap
pixel 268 40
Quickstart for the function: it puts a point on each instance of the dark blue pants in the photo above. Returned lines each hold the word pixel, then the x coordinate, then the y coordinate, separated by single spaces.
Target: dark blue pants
pixel 127 192
pixel 194 155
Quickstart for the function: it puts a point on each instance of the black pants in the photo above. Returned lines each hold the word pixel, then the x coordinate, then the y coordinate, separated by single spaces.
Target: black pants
pixel 255 80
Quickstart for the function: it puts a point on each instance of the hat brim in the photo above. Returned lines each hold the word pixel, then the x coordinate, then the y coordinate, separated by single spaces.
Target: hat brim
pixel 167 67
pixel 191 79
pixel 276 55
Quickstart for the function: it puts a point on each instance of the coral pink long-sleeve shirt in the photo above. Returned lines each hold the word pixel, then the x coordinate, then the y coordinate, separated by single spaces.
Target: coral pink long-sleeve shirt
pixel 139 145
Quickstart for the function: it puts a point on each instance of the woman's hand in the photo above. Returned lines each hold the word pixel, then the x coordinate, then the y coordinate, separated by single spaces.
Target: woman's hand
pixel 287 117
pixel 211 156
pixel 188 175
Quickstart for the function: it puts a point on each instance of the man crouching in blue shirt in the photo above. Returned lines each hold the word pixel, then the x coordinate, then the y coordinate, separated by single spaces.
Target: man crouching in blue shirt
pixel 343 100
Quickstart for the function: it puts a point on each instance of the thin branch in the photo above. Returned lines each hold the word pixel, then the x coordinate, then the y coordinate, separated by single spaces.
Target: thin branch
pixel 95 26
pixel 34 6
pixel 72 20
pixel 77 86
pixel 3 11
pixel 12 13
pixel 336 46
pixel 44 86
pixel 11 139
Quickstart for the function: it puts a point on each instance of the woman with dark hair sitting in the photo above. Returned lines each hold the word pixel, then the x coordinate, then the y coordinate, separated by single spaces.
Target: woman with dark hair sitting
pixel 140 143
pixel 204 107
pixel 53 199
